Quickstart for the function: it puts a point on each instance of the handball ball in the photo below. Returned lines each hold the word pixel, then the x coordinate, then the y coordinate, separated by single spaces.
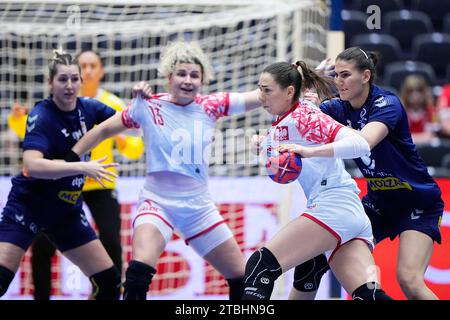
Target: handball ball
pixel 284 168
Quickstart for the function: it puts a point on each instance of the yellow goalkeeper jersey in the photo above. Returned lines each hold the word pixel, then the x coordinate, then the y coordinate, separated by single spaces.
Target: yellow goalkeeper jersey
pixel 130 147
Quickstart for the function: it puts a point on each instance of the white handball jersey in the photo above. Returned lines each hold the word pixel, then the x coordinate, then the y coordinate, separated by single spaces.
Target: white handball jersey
pixel 306 125
pixel 178 138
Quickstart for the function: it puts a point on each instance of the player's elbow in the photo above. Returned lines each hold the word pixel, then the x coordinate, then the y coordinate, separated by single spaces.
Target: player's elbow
pixel 364 146
pixel 360 146
pixel 350 146
pixel 111 127
pixel 31 168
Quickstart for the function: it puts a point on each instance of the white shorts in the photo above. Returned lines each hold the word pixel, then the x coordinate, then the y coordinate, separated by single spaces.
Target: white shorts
pixel 340 212
pixel 194 218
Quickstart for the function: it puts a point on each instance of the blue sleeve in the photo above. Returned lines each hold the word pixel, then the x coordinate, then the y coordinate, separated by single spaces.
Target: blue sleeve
pixel 326 107
pixel 386 109
pixel 36 136
pixel 102 111
pixel 333 109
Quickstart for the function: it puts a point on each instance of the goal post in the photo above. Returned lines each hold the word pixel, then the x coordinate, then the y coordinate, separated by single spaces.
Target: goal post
pixel 240 37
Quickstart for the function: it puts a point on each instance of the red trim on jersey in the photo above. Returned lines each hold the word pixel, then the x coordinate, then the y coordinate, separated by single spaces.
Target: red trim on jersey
pixel 314 125
pixel 362 239
pixel 341 245
pixel 323 225
pixel 286 114
pixel 204 231
pixel 334 233
pixel 332 254
pixel 158 96
pixel 166 97
pixel 215 105
pixel 334 133
pixel 127 121
pixel 227 104
pixel 365 240
pixel 180 105
pixel 152 214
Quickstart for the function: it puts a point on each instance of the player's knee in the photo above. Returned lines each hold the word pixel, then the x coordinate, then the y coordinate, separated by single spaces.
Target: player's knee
pixel 6 277
pixel 236 288
pixel 261 271
pixel 412 284
pixel 138 278
pixel 370 291
pixel 307 275
pixel 409 280
pixel 106 284
pixel 262 263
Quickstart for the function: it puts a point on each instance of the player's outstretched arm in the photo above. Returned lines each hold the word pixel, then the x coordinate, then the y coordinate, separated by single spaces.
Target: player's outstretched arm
pixel 347 145
pixel 251 99
pixel 374 132
pixel 104 130
pixel 37 167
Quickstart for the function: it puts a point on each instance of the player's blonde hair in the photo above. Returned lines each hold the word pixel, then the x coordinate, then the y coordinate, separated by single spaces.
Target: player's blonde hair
pixel 185 52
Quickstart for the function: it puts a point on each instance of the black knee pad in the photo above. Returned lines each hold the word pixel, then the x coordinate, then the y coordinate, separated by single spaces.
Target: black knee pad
pixel 106 284
pixel 261 271
pixel 307 275
pixel 6 277
pixel 138 278
pixel 236 288
pixel 370 291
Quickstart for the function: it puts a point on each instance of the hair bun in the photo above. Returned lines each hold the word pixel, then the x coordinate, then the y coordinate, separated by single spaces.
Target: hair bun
pixel 374 57
pixel 58 52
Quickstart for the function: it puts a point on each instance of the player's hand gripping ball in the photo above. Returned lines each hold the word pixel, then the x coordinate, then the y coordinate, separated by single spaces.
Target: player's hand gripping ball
pixel 284 168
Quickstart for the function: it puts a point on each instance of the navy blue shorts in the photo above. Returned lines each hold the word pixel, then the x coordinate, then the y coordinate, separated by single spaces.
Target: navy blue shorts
pixel 390 223
pixel 71 231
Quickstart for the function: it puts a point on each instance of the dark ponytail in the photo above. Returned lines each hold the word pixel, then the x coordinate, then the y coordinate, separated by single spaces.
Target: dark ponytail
pixel 312 80
pixel 286 74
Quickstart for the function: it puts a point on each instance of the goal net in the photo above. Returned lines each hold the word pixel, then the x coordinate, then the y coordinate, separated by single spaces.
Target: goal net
pixel 240 37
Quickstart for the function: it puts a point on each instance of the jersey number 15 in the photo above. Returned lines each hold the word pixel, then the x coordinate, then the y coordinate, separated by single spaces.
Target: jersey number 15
pixel 157 116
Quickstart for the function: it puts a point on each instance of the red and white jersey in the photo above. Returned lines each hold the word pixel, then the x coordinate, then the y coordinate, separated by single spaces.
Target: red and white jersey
pixel 177 138
pixel 306 125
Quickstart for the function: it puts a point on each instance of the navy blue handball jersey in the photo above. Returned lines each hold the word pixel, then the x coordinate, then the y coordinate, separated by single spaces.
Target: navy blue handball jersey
pixel 54 132
pixel 396 175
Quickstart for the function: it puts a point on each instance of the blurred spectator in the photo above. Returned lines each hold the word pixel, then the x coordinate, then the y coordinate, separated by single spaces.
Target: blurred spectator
pixel 417 98
pixel 11 154
pixel 17 119
pixel 443 108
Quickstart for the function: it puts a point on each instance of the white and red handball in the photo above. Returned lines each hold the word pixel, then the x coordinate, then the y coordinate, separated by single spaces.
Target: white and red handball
pixel 284 168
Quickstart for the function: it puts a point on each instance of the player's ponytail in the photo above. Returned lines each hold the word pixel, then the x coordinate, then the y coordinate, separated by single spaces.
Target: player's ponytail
pixel 374 57
pixel 312 80
pixel 298 75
